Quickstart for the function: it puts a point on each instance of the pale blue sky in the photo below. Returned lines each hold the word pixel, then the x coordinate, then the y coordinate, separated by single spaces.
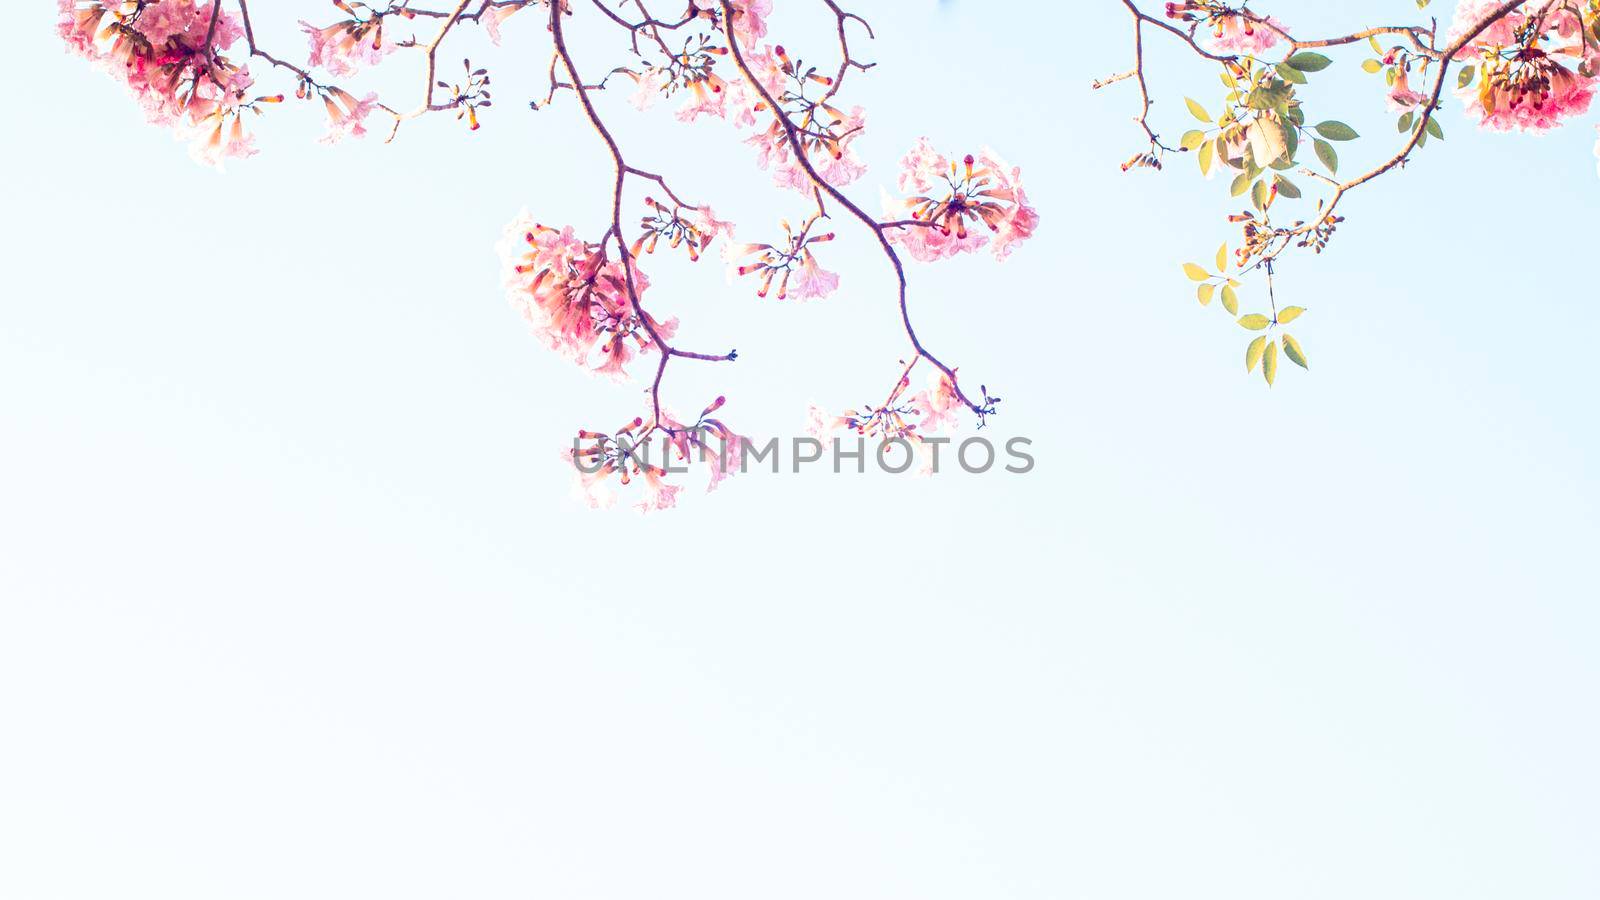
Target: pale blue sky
pixel 293 602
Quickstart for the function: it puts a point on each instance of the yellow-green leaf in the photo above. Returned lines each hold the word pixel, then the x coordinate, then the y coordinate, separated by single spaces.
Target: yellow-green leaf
pixel 1254 321
pixel 1208 152
pixel 1192 140
pixel 1198 111
pixel 1291 349
pixel 1371 66
pixel 1230 300
pixel 1222 257
pixel 1204 292
pixel 1269 363
pixel 1195 273
pixel 1289 314
pixel 1252 354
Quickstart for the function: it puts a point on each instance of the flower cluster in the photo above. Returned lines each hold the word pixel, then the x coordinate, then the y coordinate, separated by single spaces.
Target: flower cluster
pixel 950 200
pixel 168 54
pixel 631 453
pixel 576 298
pixel 791 264
pixel 911 418
pixel 347 46
pixel 1231 30
pixel 1535 65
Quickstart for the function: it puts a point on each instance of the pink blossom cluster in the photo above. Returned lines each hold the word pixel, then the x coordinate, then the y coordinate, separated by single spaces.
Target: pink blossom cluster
pixel 631 453
pixel 911 419
pixel 948 199
pixel 168 53
pixel 576 298
pixel 750 17
pixel 1231 31
pixel 346 47
pixel 1532 74
pixel 790 264
pixel 827 132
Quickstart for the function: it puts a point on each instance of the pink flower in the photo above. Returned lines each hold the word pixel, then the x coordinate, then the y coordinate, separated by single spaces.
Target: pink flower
pixel 938 405
pixel 591 480
pixel 346 115
pixel 813 283
pixel 344 47
pixel 78 25
pixel 658 494
pixel 744 101
pixel 821 426
pixel 1402 97
pixel 707 97
pixel 1014 225
pixel 493 16
pixel 749 17
pixel 1233 33
pixel 921 168
pixel 221 137
pixel 650 83
pixel 724 455
pixel 705 222
pixel 168 19
pixel 1500 33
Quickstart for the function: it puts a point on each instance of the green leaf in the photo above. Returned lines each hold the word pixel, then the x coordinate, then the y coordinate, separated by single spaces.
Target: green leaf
pixel 1371 66
pixel 1328 155
pixel 1195 273
pixel 1241 183
pixel 1192 140
pixel 1289 314
pixel 1254 322
pixel 1208 152
pixel 1252 353
pixel 1464 78
pixel 1230 300
pixel 1404 124
pixel 1269 363
pixel 1289 73
pixel 1204 292
pixel 1222 257
pixel 1286 187
pixel 1336 131
pixel 1291 349
pixel 1259 195
pixel 1434 128
pixel 1198 111
pixel 1309 62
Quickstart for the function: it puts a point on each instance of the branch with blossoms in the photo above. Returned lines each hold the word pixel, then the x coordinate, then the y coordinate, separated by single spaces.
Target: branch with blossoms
pixel 582 290
pixel 1515 65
